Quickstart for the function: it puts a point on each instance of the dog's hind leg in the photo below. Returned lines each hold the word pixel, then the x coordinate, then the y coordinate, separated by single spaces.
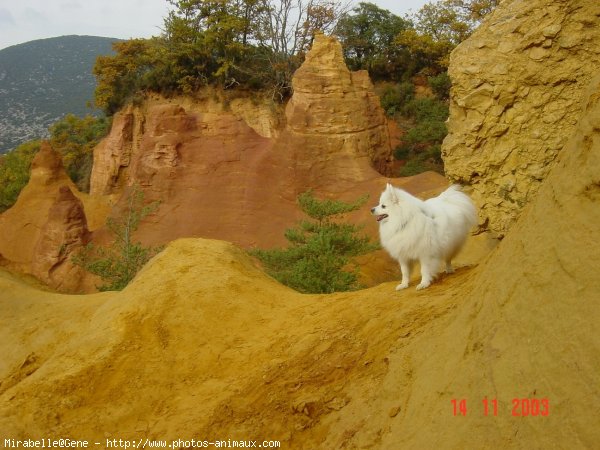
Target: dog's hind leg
pixel 429 269
pixel 405 269
pixel 449 268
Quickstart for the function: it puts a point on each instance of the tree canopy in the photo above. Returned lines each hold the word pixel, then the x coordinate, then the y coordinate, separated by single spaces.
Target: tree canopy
pixel 395 48
pixel 368 36
pixel 14 172
pixel 251 44
pixel 258 44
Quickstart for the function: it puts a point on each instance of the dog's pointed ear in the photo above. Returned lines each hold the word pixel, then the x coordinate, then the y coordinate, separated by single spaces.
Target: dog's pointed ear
pixel 392 193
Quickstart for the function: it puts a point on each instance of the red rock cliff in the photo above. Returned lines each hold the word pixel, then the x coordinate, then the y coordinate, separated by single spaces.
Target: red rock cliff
pixel 234 172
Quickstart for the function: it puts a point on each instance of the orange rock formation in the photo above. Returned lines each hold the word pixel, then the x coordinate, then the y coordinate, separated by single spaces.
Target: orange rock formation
pixel 228 170
pixel 48 221
pixel 234 173
pixel 63 234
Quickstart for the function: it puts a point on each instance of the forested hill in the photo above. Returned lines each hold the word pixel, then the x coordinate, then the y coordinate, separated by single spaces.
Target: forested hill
pixel 42 80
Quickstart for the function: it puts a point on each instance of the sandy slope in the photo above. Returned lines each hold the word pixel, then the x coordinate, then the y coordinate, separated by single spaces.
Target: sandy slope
pixel 203 345
pixel 213 349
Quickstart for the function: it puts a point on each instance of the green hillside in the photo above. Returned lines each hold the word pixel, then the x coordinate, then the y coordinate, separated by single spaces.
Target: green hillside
pixel 42 80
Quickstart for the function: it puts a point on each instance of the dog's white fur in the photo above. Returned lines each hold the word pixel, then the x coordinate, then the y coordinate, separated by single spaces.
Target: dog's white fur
pixel 431 231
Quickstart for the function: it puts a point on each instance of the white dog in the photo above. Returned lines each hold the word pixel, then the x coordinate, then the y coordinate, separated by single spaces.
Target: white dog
pixel 430 231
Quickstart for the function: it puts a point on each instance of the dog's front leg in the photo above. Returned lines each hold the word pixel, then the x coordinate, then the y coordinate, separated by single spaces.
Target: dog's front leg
pixel 405 269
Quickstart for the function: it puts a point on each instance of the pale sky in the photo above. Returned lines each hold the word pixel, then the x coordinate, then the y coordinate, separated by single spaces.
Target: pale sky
pixel 27 20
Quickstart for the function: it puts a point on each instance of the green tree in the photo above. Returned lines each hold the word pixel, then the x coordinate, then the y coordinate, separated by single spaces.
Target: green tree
pixel 217 30
pixel 118 264
pixel 452 20
pixel 75 138
pixel 425 52
pixel 393 98
pixel 421 144
pixel 440 85
pixel 318 259
pixel 368 38
pixel 14 172
pixel 247 44
pixel 122 76
pixel 438 28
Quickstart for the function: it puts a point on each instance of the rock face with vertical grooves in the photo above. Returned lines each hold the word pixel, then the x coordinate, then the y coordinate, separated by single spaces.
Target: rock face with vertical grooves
pixel 21 224
pixel 518 84
pixel 335 117
pixel 63 234
pixel 48 222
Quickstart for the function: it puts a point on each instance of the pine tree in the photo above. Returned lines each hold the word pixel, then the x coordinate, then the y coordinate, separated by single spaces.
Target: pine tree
pixel 118 264
pixel 319 258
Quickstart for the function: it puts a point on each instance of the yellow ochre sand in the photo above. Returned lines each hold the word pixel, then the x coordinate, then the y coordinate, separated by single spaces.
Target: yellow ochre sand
pixel 204 345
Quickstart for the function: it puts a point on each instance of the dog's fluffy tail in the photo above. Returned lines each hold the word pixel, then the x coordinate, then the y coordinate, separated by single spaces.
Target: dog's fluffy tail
pixel 463 204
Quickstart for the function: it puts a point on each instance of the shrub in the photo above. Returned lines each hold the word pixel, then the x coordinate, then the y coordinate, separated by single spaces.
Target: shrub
pixel 318 259
pixel 440 85
pixel 14 172
pixel 434 154
pixel 426 108
pixel 413 166
pixel 402 151
pixel 421 144
pixel 118 264
pixel 75 138
pixel 427 132
pixel 394 97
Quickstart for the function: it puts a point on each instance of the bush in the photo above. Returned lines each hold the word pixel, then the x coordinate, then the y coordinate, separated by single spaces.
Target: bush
pixel 427 132
pixel 440 85
pixel 395 97
pixel 413 166
pixel 402 151
pixel 318 259
pixel 117 265
pixel 14 172
pixel 426 108
pixel 75 138
pixel 434 154
pixel 420 147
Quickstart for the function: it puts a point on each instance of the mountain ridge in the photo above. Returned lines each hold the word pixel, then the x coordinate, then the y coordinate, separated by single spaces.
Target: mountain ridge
pixel 43 80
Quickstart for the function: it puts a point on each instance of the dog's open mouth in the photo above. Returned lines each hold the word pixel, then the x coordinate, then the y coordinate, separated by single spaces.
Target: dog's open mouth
pixel 381 217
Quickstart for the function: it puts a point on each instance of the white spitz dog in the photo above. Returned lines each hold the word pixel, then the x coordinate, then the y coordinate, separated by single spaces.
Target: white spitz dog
pixel 431 231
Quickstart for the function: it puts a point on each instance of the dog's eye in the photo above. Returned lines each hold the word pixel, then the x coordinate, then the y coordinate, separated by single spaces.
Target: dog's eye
pixel 382 206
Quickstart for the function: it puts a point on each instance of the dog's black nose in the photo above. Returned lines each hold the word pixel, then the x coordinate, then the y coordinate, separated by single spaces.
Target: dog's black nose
pixel 372 210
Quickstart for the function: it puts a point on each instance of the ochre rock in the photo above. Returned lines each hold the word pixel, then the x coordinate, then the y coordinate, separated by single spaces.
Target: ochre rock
pixel 145 143
pixel 210 170
pixel 113 154
pixel 232 168
pixel 518 84
pixel 21 225
pixel 63 234
pixel 203 343
pixel 335 123
pixel 46 166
